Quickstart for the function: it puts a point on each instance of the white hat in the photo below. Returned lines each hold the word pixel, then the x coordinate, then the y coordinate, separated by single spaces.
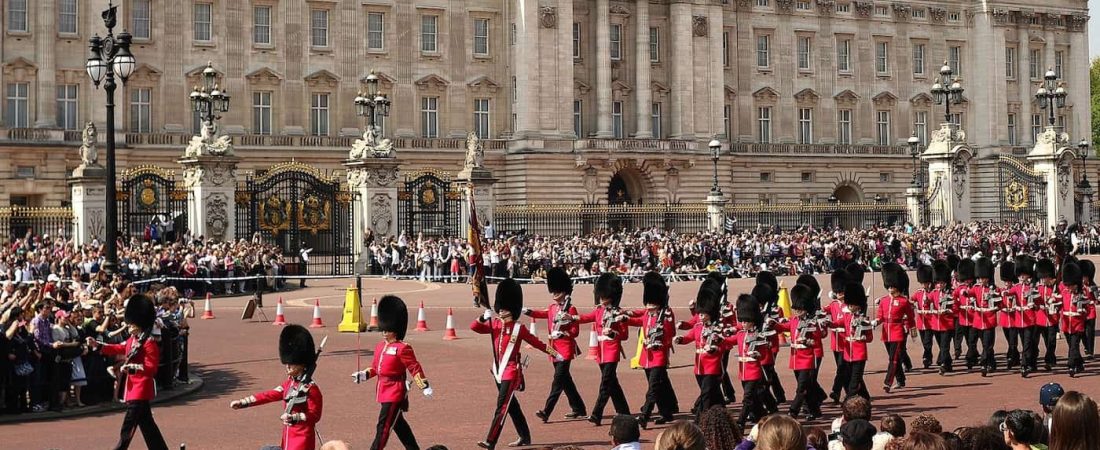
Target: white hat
pixel 52 278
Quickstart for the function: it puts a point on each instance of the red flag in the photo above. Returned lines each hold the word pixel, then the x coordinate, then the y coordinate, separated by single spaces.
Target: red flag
pixel 477 280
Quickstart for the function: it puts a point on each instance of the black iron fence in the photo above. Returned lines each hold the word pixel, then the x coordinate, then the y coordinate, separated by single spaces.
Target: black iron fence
pixel 790 216
pixel 17 221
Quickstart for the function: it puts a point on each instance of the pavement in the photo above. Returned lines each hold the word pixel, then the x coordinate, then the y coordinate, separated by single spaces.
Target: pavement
pixel 179 391
pixel 236 358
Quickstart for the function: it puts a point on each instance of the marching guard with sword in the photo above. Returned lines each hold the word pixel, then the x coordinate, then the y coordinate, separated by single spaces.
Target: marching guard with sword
pixel 806 331
pixel 658 329
pixel 898 321
pixel 610 324
pixel 563 338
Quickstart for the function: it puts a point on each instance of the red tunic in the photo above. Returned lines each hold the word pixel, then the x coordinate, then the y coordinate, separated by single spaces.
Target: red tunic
pixel 140 385
pixel 836 311
pixel 1043 318
pixel 301 435
pixel 567 344
pixel 1027 316
pixel 1073 318
pixel 611 347
pixel 1006 318
pixel 922 303
pixel 391 362
pixel 655 357
pixel 963 300
pixel 945 317
pixel 896 316
pixel 855 349
pixel 750 367
pixel 983 315
pixel 501 334
pixel 706 362
pixel 802 345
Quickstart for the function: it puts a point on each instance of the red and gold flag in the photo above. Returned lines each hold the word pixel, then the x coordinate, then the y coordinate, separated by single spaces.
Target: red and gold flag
pixel 477 279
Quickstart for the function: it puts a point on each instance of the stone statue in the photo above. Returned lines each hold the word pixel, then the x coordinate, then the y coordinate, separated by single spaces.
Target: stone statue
pixel 475 153
pixel 208 142
pixel 89 155
pixel 370 146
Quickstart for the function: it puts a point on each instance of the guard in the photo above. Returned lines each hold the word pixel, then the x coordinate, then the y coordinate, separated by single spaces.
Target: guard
pixel 563 338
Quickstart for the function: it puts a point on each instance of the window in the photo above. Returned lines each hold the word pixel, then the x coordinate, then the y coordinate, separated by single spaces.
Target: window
pixel 515 90
pixel 481 118
pixel 481 37
pixel 764 124
pixel 1058 57
pixel 617 118
pixel 920 126
pixel 196 123
pixel 882 10
pixel 761 2
pixel 954 59
pixel 1036 127
pixel 201 22
pixel 1010 63
pixel 655 116
pixel 577 129
pixel 24 172
pixel 954 16
pixel 428 34
pixel 318 115
pixel 318 25
pixel 576 40
pixel 725 48
pixel 804 46
pixel 66 106
pixel 616 41
pixel 376 31
pixel 843 7
pixel 956 119
pixel 884 177
pixel 918 59
pixel 727 113
pixel 882 57
pixel 805 126
pixel 1012 140
pixel 765 177
pixel 261 25
pixel 844 55
pixel 1035 63
pixel 139 19
pixel 807 177
pixel 1060 123
pixel 803 6
pixel 380 124
pixel 429 117
pixel 141 110
pixel 762 58
pixel 66 17
pixel 654 44
pixel 513 39
pixel 16 114
pixel 844 126
pixel 919 13
pixel 17 15
pixel 261 112
pixel 882 121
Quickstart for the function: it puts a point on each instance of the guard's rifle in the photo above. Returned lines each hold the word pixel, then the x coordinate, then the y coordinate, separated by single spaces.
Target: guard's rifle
pixel 1052 307
pixel 299 393
pixel 771 316
pixel 859 326
pixel 563 318
pixel 1030 294
pixel 654 337
pixel 947 302
pixel 713 334
pixel 808 325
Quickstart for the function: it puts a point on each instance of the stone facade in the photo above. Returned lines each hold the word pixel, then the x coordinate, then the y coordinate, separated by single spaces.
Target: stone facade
pixel 576 92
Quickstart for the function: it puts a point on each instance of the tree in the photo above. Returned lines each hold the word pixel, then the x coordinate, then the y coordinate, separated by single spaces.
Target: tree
pixel 1094 87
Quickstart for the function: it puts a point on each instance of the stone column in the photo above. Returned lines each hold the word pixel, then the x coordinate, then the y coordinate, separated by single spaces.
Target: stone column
pixel 526 59
pixel 211 182
pixel 375 181
pixel 948 159
pixel 479 183
pixel 716 211
pixel 604 127
pixel 913 197
pixel 45 35
pixel 682 119
pixel 1055 161
pixel 644 95
pixel 89 195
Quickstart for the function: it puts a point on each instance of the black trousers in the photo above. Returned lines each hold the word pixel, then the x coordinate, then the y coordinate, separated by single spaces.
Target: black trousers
pixel 1050 344
pixel 138 415
pixel 1029 342
pixel 1012 336
pixel 563 382
pixel 507 404
pixel 856 386
pixel 610 389
pixel 1074 359
pixel 987 338
pixel 927 337
pixel 659 394
pixel 773 383
pixel 1090 336
pixel 303 269
pixel 840 379
pixel 807 393
pixel 943 339
pixel 894 370
pixel 727 383
pixel 756 400
pixel 392 418
pixel 710 393
pixel 961 334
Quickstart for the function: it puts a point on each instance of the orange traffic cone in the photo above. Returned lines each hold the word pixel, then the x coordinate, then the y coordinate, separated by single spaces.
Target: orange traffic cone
pixel 280 319
pixel 207 311
pixel 421 319
pixel 593 346
pixel 533 328
pixel 450 335
pixel 373 325
pixel 317 315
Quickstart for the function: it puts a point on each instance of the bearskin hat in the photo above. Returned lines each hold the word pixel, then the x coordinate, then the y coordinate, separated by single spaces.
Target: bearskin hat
pixel 717 277
pixel 609 286
pixel 509 298
pixel 941 272
pixel 748 309
pixel 983 268
pixel 1044 268
pixel 1071 274
pixel 767 278
pixel 811 282
pixel 854 295
pixel 140 311
pixel 765 295
pixel 1088 270
pixel 558 281
pixel 924 273
pixel 1025 265
pixel 965 270
pixel 953 261
pixel 838 280
pixel 1008 272
pixel 393 316
pixel 892 274
pixel 296 346
pixel 802 298
pixel 707 301
pixel 654 290
pixel 856 272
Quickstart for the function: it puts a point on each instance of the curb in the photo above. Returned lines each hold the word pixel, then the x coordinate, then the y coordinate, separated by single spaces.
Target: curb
pixel 180 391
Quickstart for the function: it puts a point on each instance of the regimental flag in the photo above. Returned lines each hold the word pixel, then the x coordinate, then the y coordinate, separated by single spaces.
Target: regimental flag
pixel 730 223
pixel 474 238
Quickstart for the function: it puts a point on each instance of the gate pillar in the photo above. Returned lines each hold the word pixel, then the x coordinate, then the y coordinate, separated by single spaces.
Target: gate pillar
pixel 1054 161
pixel 211 183
pixel 374 181
pixel 948 159
pixel 476 180
pixel 914 197
pixel 716 211
pixel 89 194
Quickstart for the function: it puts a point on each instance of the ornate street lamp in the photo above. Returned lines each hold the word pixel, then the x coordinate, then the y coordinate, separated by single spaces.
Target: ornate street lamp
pixel 373 103
pixel 1051 95
pixel 914 151
pixel 715 153
pixel 110 57
pixel 879 198
pixel 1083 153
pixel 947 90
pixel 209 99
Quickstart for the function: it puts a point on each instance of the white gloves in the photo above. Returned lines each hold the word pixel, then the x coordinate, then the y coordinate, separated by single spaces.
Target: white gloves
pixel 428 392
pixel 360 376
pixel 132 368
pixel 602 338
pixel 488 314
pixel 526 311
pixel 559 358
pixel 556 335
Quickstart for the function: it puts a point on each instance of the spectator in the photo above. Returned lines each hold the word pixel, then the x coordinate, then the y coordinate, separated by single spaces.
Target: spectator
pixel 817 438
pixel 890 427
pixel 952 440
pixel 918 440
pixel 854 408
pixel 625 433
pixel 1075 423
pixel 926 423
pixel 982 437
pixel 681 435
pixel 341 445
pixel 1048 397
pixel 998 418
pixel 1024 430
pixel 719 429
pixel 782 432
pixel 857 434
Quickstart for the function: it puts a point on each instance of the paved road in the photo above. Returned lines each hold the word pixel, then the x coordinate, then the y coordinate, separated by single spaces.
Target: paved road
pixel 237 358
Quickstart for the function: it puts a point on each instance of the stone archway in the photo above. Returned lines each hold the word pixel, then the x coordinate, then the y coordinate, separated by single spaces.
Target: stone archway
pixel 848 193
pixel 627 186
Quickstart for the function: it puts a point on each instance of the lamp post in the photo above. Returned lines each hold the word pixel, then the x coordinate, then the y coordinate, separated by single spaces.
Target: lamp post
pixel 715 153
pixel 110 56
pixel 1083 153
pixel 372 103
pixel 209 99
pixel 1051 95
pixel 914 151
pixel 947 90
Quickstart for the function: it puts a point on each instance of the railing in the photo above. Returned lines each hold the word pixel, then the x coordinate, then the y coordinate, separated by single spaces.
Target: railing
pixel 17 221
pixel 817 149
pixel 791 216
pixel 572 219
pixel 635 144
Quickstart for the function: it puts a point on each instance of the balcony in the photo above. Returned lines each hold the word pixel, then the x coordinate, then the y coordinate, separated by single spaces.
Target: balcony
pixel 641 145
pixel 816 149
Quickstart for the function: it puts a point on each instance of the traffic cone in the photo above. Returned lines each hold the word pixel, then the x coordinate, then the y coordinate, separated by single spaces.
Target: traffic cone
pixel 373 325
pixel 450 335
pixel 317 315
pixel 421 319
pixel 280 319
pixel 207 311
pixel 533 329
pixel 593 346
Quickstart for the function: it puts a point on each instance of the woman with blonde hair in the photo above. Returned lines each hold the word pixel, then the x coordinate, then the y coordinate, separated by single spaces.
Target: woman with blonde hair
pixel 781 432
pixel 682 435
pixel 1075 423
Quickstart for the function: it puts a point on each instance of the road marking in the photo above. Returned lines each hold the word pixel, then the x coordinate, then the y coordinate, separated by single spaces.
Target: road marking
pixel 305 301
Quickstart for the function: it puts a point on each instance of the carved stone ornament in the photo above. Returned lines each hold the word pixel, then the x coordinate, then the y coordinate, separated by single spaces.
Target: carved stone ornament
pixel 89 155
pixel 371 147
pixel 1051 137
pixel 785 6
pixel 743 4
pixel 381 212
pixel 949 134
pixel 192 176
pixel 699 25
pixel 1077 22
pixel 960 166
pixel 938 15
pixel 548 16
pixel 901 11
pixel 96 225
pixel 672 182
pixel 380 177
pixel 864 9
pixel 475 152
pixel 590 180
pixel 217 215
pixel 1001 16
pixel 619 10
pixel 826 7
pixel 1052 20
pixel 1064 165
pixel 209 142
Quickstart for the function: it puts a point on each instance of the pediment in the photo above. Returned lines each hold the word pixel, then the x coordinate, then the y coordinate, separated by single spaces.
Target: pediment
pixel 383 78
pixel 145 72
pixel 766 94
pixel 921 99
pixel 807 96
pixel 20 63
pixel 322 77
pixel 730 92
pixel 581 87
pixel 264 75
pixel 432 82
pixel 846 97
pixel 659 88
pixel 19 69
pixel 484 84
pixel 620 87
pixel 197 71
pixel 884 99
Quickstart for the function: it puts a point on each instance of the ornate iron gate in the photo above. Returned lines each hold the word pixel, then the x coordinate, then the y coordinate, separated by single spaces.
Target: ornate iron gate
pixel 297 206
pixel 1022 191
pixel 429 204
pixel 149 195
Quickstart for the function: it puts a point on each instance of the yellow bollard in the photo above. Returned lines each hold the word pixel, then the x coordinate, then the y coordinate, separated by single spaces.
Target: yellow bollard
pixel 352 321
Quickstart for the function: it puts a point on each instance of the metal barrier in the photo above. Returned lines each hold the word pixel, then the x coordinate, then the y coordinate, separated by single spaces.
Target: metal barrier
pixel 790 216
pixel 17 221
